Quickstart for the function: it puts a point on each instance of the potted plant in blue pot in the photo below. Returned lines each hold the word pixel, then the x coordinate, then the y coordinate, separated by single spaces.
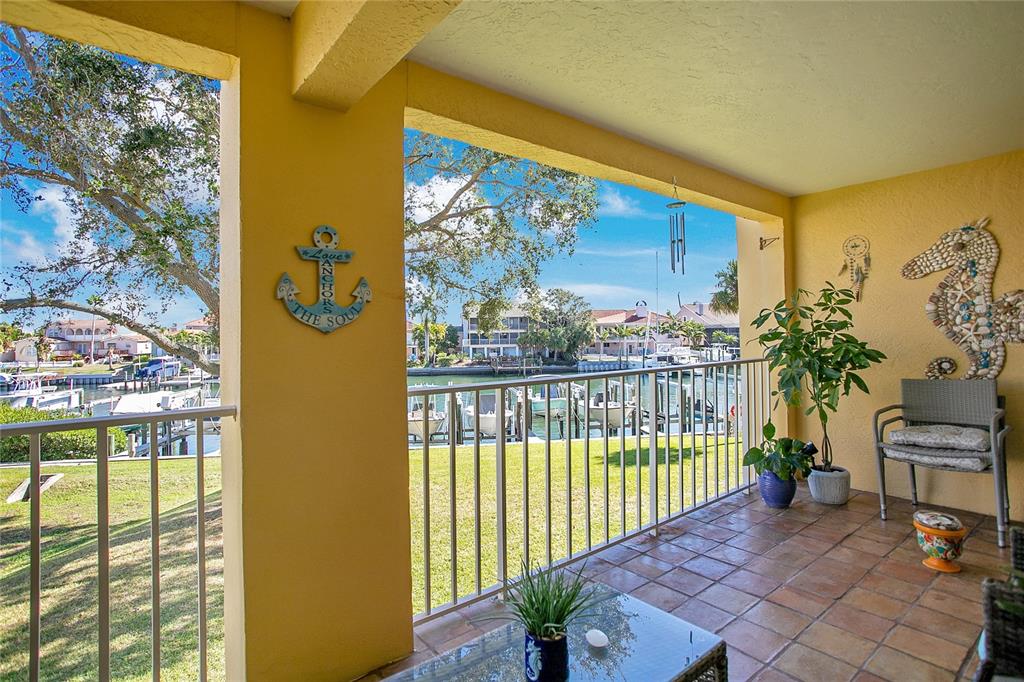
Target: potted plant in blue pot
pixel 545 602
pixel 777 461
pixel 809 342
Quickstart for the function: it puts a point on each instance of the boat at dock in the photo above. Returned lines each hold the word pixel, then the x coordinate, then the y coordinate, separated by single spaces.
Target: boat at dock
pixel 30 390
pixel 544 395
pixel 488 415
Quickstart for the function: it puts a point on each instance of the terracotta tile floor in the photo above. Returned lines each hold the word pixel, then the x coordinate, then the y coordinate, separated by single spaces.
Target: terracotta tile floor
pixel 812 593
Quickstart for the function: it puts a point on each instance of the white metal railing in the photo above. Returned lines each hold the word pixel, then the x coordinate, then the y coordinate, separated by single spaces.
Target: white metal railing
pixel 703 417
pixel 35 431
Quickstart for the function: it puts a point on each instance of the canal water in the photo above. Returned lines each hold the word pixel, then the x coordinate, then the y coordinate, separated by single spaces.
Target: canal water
pixel 726 399
pixel 719 392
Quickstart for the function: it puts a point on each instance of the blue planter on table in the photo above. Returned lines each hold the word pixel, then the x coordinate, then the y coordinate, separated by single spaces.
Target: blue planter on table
pixel 775 492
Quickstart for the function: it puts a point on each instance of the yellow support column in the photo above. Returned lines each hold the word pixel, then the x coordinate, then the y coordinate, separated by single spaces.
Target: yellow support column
pixel 325 555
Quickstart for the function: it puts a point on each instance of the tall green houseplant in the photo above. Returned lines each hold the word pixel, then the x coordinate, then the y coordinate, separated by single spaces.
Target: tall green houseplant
pixel 809 341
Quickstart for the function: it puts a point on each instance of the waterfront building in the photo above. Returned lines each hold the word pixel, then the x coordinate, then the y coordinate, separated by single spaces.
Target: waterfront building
pixel 501 342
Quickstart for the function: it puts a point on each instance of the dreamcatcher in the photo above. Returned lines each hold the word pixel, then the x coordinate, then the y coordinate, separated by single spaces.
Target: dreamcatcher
pixel 857 262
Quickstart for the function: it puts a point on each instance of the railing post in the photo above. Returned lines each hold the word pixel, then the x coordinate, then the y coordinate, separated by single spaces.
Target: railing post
pixel 201 544
pixel 652 453
pixel 453 535
pixel 476 488
pixel 425 437
pixel 34 456
pixel 154 532
pixel 499 458
pixel 104 446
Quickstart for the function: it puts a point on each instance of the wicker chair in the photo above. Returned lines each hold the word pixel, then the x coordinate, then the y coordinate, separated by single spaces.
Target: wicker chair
pixel 971 403
pixel 1004 628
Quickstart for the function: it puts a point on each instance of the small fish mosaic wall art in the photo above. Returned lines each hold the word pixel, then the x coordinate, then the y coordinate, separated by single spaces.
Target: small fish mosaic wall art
pixel 963 307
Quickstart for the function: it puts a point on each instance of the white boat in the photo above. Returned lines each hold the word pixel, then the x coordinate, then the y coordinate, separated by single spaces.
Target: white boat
pixel 153 401
pixel 436 418
pixel 488 415
pixel 27 390
pixel 539 397
pixel 683 355
pixel 434 422
pixel 614 404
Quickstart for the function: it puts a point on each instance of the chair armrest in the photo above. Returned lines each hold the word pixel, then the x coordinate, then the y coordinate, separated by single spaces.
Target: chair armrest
pixel 879 427
pixel 997 415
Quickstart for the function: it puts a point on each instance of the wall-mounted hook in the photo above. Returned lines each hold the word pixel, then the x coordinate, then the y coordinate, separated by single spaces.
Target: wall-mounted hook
pixel 767 241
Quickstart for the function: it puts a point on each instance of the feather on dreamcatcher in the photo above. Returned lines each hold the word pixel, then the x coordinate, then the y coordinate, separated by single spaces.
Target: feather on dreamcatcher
pixel 857 262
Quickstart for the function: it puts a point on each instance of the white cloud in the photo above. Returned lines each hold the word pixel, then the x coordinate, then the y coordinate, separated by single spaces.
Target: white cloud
pixel 424 201
pixel 33 245
pixel 18 246
pixel 54 209
pixel 613 204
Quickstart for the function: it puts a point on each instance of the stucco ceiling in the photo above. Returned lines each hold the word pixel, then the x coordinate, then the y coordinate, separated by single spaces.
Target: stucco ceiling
pixel 798 97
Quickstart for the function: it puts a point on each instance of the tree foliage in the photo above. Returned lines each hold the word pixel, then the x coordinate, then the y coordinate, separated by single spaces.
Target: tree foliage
pixel 694 332
pixel 133 148
pixel 815 353
pixel 56 445
pixel 718 336
pixel 479 224
pixel 562 324
pixel 726 297
pixel 9 333
pixel 440 341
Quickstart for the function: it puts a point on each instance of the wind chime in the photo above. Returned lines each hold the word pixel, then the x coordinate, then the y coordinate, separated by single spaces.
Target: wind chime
pixel 677 232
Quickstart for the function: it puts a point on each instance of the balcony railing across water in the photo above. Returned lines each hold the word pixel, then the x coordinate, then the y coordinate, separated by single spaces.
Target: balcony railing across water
pixel 199 418
pixel 550 469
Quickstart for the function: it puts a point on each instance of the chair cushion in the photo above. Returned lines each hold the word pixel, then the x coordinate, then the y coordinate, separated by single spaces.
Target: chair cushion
pixel 938 458
pixel 942 436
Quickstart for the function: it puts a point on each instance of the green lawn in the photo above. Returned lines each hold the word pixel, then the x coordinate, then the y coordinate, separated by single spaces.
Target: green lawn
pixel 88 369
pixel 69 604
pixel 69 592
pixel 619 467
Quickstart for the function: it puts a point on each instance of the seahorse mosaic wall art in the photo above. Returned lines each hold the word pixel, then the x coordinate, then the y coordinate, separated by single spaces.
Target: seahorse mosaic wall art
pixel 962 306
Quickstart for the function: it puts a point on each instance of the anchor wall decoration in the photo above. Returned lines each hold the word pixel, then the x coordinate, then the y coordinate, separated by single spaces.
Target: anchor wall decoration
pixel 325 314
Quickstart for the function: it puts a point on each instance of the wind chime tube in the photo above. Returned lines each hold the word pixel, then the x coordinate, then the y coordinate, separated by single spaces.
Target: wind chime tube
pixel 671 241
pixel 682 242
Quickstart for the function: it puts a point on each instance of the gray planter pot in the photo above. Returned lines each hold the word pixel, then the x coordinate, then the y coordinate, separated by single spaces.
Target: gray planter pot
pixel 830 487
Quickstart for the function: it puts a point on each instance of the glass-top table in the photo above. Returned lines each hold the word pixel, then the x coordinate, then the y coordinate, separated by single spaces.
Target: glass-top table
pixel 645 644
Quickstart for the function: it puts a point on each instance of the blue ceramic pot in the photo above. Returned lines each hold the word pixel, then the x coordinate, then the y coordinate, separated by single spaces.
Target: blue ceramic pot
pixel 547 660
pixel 775 492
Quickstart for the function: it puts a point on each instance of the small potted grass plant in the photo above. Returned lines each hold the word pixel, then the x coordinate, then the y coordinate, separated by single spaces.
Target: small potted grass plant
pixel 777 462
pixel 544 602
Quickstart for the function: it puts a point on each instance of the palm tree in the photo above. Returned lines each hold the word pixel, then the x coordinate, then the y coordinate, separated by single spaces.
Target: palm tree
pixel 694 332
pixel 726 299
pixel 673 326
pixel 621 332
pixel 94 301
pixel 602 335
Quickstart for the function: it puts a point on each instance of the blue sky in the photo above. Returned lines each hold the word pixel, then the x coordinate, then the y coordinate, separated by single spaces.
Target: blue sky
pixel 613 265
pixel 614 262
pixel 623 257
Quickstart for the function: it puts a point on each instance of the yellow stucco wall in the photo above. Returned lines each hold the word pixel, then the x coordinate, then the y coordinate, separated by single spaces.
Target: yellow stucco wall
pixel 902 217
